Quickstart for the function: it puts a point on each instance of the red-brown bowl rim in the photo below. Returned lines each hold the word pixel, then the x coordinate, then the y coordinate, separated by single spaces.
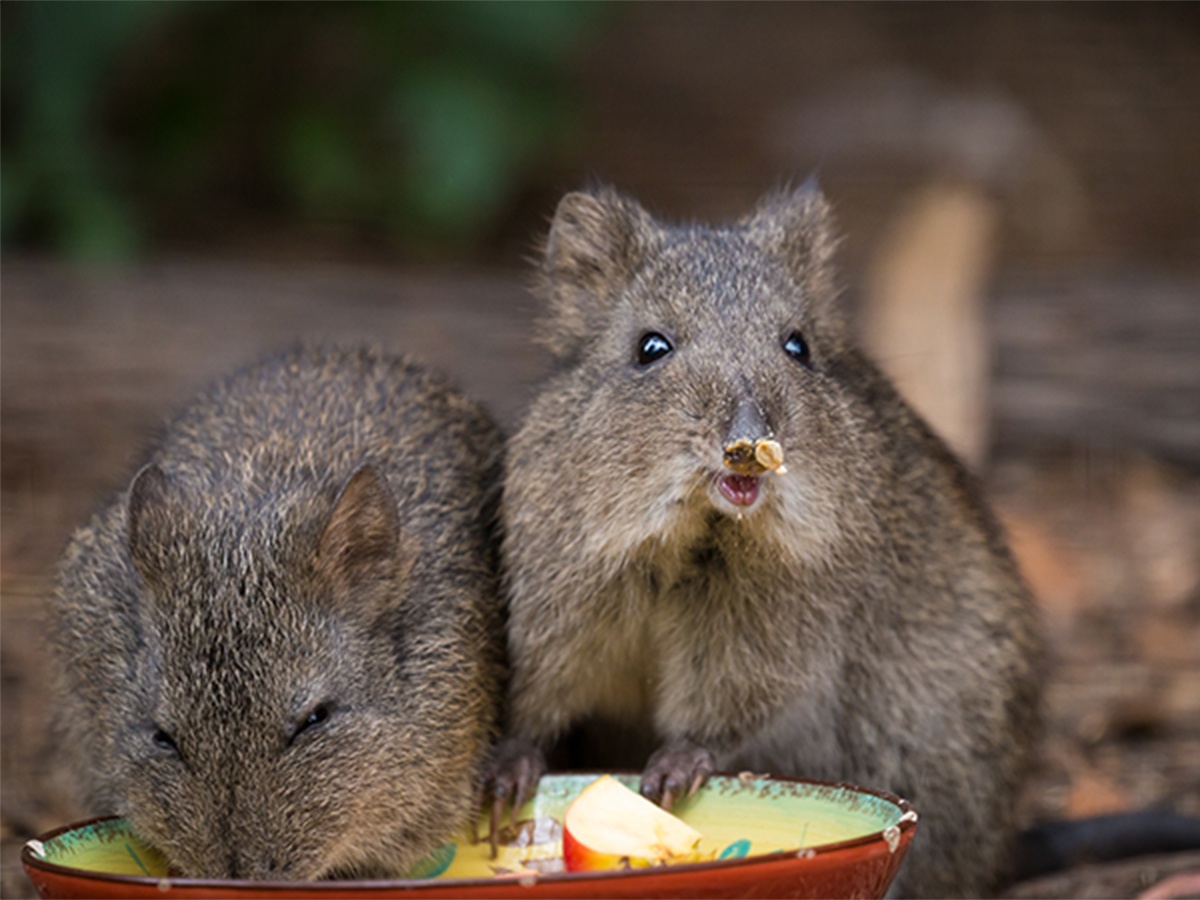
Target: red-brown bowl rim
pixel 906 821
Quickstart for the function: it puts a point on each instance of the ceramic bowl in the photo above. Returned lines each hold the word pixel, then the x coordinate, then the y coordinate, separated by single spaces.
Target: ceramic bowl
pixel 771 837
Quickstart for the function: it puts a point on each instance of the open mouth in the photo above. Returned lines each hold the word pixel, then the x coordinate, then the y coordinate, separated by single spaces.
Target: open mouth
pixel 740 490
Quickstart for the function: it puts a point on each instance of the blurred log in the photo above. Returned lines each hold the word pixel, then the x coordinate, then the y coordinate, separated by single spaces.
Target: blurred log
pixel 1107 360
pixel 95 361
pixel 92 362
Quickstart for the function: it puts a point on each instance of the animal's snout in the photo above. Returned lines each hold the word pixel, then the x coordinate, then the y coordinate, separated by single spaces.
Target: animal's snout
pixel 749 423
pixel 750 446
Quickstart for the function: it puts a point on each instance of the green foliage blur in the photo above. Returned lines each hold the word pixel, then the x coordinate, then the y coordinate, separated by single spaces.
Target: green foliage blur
pixel 419 121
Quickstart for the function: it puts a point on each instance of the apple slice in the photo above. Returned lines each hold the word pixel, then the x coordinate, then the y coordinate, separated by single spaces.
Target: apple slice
pixel 608 826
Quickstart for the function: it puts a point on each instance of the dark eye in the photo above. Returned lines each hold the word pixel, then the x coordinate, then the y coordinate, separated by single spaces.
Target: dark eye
pixel 316 717
pixel 652 347
pixel 164 741
pixel 796 347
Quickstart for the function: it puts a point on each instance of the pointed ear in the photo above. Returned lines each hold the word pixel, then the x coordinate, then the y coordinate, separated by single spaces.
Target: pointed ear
pixel 598 240
pixel 796 225
pixel 362 534
pixel 152 521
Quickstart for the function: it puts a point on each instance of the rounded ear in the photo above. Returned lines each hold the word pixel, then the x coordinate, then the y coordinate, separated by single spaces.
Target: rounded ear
pixel 598 239
pixel 796 225
pixel 363 530
pixel 152 520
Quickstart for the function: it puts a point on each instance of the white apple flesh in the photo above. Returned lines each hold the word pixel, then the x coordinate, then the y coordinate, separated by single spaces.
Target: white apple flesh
pixel 609 826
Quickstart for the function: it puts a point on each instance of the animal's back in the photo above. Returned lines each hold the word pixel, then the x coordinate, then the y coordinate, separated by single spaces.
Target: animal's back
pixel 314 412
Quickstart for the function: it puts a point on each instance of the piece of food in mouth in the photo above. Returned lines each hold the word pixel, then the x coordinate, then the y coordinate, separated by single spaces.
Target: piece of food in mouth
pixel 609 826
pixel 769 455
pixel 748 457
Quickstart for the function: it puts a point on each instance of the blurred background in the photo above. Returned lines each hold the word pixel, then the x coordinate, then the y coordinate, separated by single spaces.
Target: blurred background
pixel 187 186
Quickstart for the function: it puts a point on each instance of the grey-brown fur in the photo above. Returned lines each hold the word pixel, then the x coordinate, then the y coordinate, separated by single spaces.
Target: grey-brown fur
pixel 312 537
pixel 862 621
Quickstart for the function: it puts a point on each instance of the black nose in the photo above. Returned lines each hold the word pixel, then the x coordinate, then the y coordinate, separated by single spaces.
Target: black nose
pixel 749 423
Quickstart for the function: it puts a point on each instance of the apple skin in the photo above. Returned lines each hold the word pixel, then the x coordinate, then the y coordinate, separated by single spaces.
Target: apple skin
pixel 649 835
pixel 578 858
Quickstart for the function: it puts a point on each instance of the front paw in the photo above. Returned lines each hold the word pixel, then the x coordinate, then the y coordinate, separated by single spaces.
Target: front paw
pixel 510 779
pixel 677 770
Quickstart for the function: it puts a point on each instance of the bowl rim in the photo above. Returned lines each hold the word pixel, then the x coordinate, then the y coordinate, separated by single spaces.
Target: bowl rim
pixel 905 823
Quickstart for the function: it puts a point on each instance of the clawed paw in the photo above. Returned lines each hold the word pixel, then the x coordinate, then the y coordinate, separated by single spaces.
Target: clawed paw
pixel 510 779
pixel 675 771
